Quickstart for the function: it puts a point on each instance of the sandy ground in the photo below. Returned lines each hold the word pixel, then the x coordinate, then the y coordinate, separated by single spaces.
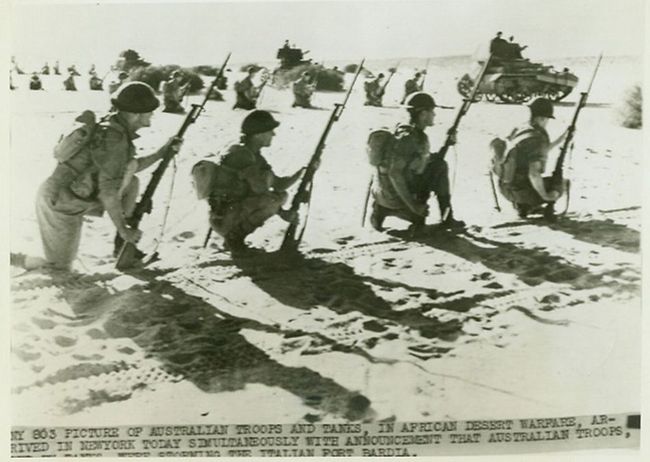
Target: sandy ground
pixel 510 318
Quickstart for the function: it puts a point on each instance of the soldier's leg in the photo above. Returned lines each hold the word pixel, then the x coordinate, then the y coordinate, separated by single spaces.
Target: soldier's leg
pixel 60 233
pixel 438 173
pixel 129 201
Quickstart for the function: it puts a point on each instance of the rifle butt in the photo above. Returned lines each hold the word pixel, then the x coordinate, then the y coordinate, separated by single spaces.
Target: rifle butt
pixel 127 257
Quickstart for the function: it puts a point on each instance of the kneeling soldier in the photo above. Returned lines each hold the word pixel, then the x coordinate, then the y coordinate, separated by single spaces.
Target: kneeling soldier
pixel 409 173
pixel 525 187
pixel 242 191
pixel 96 173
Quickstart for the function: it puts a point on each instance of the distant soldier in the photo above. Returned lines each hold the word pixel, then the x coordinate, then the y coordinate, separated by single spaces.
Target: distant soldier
pixel 96 83
pixel 115 84
pixel 499 47
pixel 526 188
pixel 69 84
pixel 11 80
pixel 302 91
pixel 374 91
pixel 412 86
pixel 409 173
pixel 73 70
pixel 92 70
pixel 514 49
pixel 247 92
pixel 57 70
pixel 173 93
pixel 45 69
pixel 98 177
pixel 35 82
pixel 253 193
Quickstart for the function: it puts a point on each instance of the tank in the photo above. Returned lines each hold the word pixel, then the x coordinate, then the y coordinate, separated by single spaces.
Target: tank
pixel 518 81
pixel 293 64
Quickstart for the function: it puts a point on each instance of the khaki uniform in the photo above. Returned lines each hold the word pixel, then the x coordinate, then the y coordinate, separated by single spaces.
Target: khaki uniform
pixel 374 93
pixel 69 84
pixel 255 195
pixel 78 187
pixel 533 148
pixel 302 91
pixel 411 86
pixel 422 171
pixel 247 94
pixel 173 93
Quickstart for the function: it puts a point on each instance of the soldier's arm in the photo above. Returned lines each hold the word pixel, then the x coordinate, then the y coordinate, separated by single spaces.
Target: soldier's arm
pixel 396 175
pixel 171 147
pixel 282 183
pixel 111 160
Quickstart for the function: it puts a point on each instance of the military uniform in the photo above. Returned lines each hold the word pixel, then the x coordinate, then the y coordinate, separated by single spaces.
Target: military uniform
pixel 422 172
pixel 78 187
pixel 173 93
pixel 35 83
pixel 411 86
pixel 534 147
pixel 374 93
pixel 257 194
pixel 96 83
pixel 69 84
pixel 302 91
pixel 247 94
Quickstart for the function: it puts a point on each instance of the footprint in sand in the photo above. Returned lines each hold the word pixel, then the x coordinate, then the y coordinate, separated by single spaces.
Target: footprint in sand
pixel 44 323
pixel 184 235
pixel 65 341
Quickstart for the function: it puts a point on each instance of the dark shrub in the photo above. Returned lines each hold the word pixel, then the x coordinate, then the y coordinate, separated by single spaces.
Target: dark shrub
pixel 631 112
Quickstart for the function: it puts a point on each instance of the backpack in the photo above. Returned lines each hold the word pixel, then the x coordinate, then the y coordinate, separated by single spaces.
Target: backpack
pixel 213 179
pixel 504 159
pixel 380 143
pixel 71 144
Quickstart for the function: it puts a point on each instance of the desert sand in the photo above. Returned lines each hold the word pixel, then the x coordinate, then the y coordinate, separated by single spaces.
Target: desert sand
pixel 511 318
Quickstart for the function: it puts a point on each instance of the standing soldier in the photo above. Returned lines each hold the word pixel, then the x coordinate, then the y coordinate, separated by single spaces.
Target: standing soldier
pixel 35 82
pixel 412 86
pixel 92 70
pixel 73 70
pixel 57 70
pixel 247 92
pixel 253 193
pixel 97 176
pixel 173 93
pixel 302 91
pixel 526 188
pixel 69 84
pixel 408 173
pixel 374 91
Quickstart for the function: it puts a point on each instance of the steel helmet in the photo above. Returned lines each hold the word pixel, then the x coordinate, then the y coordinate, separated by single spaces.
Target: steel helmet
pixel 258 121
pixel 421 100
pixel 136 97
pixel 542 107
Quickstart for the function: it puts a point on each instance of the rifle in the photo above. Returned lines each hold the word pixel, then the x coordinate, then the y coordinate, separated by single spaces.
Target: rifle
pixel 303 195
pixel 127 256
pixel 451 133
pixel 467 102
pixel 558 174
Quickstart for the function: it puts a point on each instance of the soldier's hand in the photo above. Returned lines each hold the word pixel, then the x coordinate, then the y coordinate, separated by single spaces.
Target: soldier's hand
pixel 173 146
pixel 131 235
pixel 452 139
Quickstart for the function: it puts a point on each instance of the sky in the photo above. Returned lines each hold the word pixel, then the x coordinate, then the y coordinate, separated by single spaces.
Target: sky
pixel 202 33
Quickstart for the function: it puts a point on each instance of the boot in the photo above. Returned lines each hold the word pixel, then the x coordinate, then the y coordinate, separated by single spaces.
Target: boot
pixel 549 212
pixel 447 214
pixel 522 210
pixel 234 242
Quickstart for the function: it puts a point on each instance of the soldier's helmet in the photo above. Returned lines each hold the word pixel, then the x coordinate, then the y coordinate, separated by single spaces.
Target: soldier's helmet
pixel 122 75
pixel 380 76
pixel 258 121
pixel 420 101
pixel 136 97
pixel 542 107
